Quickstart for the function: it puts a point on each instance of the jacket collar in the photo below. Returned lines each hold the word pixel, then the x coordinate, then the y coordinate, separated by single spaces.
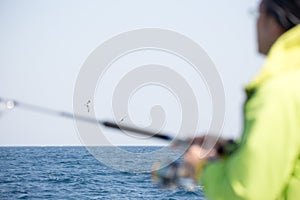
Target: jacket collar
pixel 283 57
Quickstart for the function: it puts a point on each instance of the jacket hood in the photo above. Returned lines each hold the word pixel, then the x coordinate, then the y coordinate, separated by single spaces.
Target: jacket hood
pixel 281 58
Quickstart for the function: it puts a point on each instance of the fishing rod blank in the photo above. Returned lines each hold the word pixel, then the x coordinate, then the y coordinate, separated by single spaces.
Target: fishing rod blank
pixel 140 131
pixel 10 104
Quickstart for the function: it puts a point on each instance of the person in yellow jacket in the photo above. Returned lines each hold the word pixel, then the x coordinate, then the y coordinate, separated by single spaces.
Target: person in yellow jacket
pixel 266 163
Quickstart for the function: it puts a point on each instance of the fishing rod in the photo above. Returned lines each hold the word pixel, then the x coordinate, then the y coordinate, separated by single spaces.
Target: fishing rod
pixel 224 147
pixel 11 104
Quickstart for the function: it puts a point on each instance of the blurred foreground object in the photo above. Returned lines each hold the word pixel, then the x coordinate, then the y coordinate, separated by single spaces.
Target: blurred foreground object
pixel 185 174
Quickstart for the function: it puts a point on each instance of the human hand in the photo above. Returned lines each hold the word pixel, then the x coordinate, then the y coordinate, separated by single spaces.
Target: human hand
pixel 195 158
pixel 222 147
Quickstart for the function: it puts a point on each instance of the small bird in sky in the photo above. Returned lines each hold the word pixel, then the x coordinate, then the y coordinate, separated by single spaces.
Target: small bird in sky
pixel 88 105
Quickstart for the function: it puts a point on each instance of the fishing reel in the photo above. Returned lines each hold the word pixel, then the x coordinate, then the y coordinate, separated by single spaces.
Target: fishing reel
pixel 173 176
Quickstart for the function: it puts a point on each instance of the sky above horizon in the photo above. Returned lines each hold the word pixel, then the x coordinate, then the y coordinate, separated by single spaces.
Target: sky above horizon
pixel 45 43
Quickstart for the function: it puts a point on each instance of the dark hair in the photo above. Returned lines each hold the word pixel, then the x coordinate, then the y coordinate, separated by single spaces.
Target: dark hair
pixel 285 12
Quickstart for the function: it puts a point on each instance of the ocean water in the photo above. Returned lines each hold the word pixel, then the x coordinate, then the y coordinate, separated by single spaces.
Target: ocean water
pixel 73 173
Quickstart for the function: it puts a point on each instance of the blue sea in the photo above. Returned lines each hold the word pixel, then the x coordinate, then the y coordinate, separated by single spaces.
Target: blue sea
pixel 73 173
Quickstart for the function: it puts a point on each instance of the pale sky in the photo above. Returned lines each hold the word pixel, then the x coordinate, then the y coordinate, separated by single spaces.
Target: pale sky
pixel 45 43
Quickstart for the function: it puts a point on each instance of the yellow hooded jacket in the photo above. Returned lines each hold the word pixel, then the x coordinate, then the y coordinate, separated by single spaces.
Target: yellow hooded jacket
pixel 266 164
